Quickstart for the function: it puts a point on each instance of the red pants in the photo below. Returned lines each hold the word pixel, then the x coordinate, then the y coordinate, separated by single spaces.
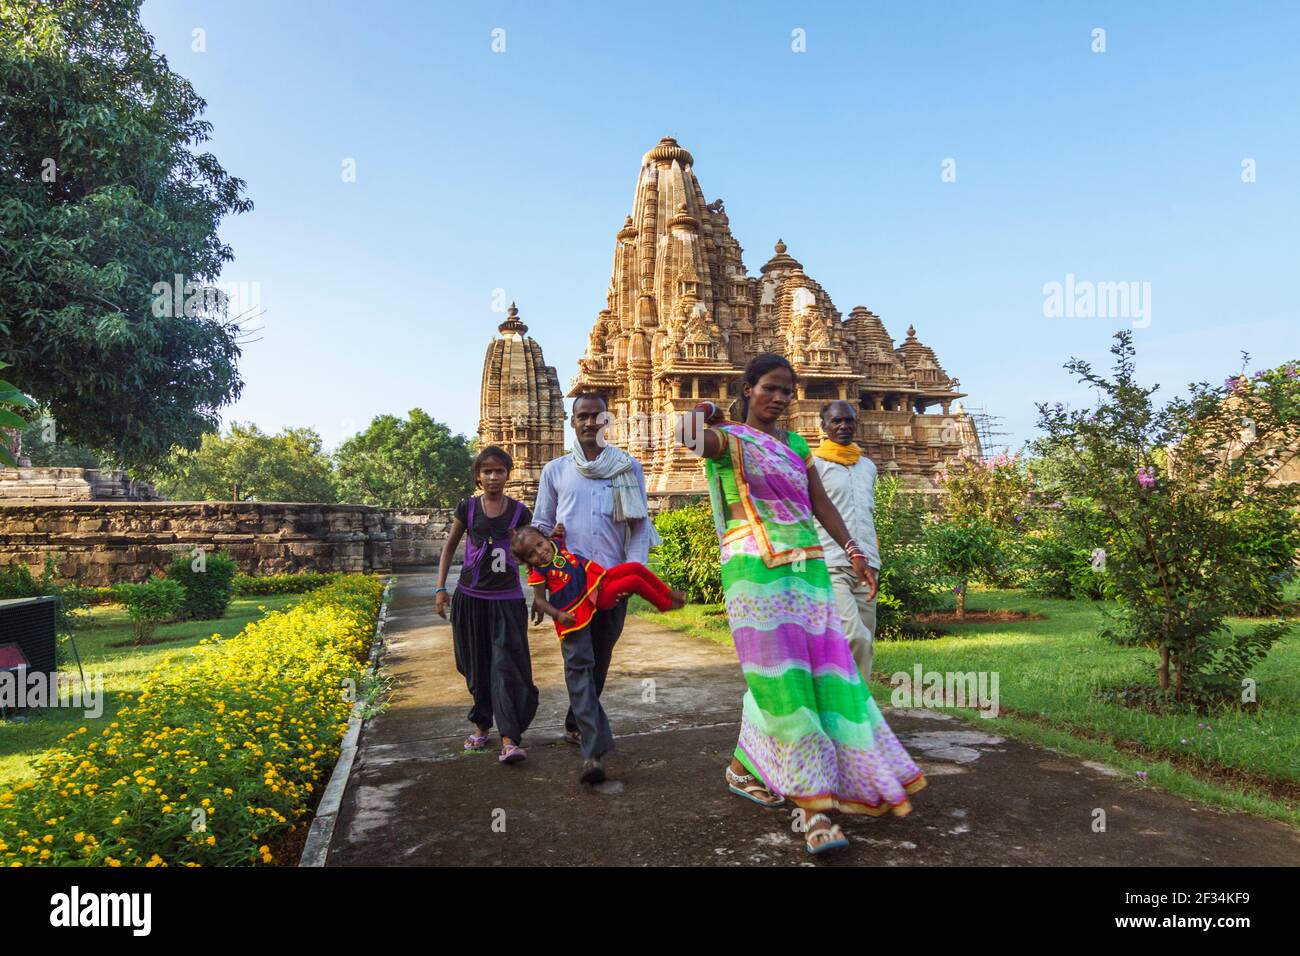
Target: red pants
pixel 632 578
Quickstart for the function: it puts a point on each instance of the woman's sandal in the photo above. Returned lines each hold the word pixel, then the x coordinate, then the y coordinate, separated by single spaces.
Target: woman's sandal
pixel 749 787
pixel 476 742
pixel 828 838
pixel 510 753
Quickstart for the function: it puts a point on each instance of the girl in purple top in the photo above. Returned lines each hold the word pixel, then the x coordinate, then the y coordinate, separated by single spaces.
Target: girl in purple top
pixel 489 617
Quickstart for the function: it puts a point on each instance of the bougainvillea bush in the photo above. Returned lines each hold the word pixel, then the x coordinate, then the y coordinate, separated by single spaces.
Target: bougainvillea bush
pixel 1180 503
pixel 219 756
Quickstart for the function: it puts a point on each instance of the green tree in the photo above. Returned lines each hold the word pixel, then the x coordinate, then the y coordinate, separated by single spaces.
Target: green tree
pixel 246 464
pixel 404 463
pixel 961 549
pixel 105 194
pixel 1186 517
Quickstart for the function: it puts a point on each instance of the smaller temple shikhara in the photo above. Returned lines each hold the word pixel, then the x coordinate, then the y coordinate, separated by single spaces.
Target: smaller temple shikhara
pixel 682 316
pixel 521 405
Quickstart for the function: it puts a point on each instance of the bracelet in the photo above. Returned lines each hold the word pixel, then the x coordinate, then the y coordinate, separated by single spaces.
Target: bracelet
pixel 713 410
pixel 436 590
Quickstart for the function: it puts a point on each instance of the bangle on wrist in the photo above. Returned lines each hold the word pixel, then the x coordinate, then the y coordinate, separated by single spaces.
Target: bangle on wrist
pixel 436 590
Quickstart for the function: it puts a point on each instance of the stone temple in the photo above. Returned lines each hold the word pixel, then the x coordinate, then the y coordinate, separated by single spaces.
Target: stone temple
pixel 521 405
pixel 683 315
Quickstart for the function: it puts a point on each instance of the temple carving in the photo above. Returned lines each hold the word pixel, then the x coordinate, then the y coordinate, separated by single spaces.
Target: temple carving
pixel 521 405
pixel 682 316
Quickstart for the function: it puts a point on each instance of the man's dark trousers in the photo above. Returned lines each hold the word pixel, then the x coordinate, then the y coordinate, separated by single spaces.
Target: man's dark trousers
pixel 600 636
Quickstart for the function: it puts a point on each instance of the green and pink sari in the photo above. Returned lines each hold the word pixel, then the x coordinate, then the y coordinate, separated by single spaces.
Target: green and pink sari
pixel 809 729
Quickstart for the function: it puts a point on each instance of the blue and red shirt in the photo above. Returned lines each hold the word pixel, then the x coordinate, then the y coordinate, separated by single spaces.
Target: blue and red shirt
pixel 571 582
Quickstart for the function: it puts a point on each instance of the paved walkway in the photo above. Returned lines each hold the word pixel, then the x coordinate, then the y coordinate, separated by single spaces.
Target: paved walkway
pixel 415 798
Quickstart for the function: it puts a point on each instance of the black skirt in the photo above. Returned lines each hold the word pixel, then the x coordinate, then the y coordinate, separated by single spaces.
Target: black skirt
pixel 491 644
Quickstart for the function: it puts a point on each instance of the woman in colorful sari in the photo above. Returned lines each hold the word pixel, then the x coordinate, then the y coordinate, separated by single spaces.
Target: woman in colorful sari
pixel 809 732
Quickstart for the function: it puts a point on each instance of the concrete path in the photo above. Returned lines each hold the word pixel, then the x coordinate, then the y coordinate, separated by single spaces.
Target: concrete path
pixel 414 797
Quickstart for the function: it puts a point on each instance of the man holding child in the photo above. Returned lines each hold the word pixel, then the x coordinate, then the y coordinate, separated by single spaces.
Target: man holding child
pixel 597 494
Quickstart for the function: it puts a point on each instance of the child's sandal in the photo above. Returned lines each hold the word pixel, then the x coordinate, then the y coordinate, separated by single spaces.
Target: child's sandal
pixel 511 753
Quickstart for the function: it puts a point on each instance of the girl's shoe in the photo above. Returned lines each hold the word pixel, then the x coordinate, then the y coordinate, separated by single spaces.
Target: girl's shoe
pixel 476 742
pixel 511 754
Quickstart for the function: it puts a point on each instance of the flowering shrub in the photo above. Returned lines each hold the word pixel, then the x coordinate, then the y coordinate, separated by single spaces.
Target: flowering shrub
pixel 1180 503
pixel 219 755
pixel 908 584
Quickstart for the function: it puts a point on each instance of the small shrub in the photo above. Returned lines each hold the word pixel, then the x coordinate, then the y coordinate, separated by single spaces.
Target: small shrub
pixel 689 555
pixel 1057 566
pixel 208 580
pixel 908 587
pixel 149 604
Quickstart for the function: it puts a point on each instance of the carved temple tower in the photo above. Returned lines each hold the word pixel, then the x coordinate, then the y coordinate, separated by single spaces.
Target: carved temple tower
pixel 682 316
pixel 521 406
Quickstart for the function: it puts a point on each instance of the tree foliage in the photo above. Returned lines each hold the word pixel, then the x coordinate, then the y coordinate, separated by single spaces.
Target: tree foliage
pixel 1181 503
pixel 414 462
pixel 104 193
pixel 246 464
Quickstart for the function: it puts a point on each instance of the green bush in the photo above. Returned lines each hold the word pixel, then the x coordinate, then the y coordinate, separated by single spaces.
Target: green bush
pixel 208 580
pixel 908 587
pixel 249 586
pixel 1056 565
pixel 689 555
pixel 150 603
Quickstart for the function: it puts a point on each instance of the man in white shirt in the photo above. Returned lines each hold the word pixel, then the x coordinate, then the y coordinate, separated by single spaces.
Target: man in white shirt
pixel 849 477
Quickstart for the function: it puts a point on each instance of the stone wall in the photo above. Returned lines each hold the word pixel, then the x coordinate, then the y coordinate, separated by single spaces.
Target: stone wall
pixel 419 535
pixel 72 484
pixel 105 542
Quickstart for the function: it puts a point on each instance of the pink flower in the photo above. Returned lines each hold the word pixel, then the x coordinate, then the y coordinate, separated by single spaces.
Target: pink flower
pixel 1146 476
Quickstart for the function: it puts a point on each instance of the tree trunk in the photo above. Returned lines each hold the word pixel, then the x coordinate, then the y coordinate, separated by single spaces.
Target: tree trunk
pixel 1163 670
pixel 961 601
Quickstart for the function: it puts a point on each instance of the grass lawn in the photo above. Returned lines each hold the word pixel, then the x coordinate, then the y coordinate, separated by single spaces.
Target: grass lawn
pixel 122 669
pixel 1048 672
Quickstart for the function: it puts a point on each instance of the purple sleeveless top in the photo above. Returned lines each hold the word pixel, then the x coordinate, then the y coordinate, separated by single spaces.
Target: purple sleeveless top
pixel 490 571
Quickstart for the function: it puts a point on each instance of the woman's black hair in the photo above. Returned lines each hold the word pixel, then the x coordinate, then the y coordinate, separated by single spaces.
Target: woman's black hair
pixel 490 453
pixel 756 368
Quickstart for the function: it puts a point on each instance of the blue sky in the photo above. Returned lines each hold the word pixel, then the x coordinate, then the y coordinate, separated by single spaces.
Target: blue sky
pixel 478 171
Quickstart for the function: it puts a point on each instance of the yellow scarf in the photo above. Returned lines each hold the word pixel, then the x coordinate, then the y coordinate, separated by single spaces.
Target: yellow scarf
pixel 840 454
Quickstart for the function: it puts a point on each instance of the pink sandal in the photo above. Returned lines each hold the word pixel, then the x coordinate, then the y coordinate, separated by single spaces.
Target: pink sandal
pixel 475 742
pixel 511 754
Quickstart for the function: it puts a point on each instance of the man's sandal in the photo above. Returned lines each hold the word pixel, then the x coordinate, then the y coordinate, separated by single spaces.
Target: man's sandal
pixel 828 838
pixel 476 742
pixel 749 787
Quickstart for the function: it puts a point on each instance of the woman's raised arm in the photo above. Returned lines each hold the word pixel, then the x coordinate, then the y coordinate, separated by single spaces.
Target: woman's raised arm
pixel 692 430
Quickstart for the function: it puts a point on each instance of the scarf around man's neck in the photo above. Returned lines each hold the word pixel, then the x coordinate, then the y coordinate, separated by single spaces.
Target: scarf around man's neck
pixel 840 454
pixel 614 463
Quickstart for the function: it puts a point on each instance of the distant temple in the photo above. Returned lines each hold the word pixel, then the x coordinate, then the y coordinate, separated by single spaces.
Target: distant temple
pixel 521 406
pixel 682 316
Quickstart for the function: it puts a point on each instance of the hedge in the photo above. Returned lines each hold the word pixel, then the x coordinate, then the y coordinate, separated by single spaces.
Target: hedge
pixel 218 757
pixel 249 586
pixel 687 557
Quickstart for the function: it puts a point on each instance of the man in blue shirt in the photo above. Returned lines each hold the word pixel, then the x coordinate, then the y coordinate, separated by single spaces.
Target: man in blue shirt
pixel 597 492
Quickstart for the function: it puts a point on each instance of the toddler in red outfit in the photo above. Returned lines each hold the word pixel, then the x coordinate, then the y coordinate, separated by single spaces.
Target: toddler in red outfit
pixel 577 587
